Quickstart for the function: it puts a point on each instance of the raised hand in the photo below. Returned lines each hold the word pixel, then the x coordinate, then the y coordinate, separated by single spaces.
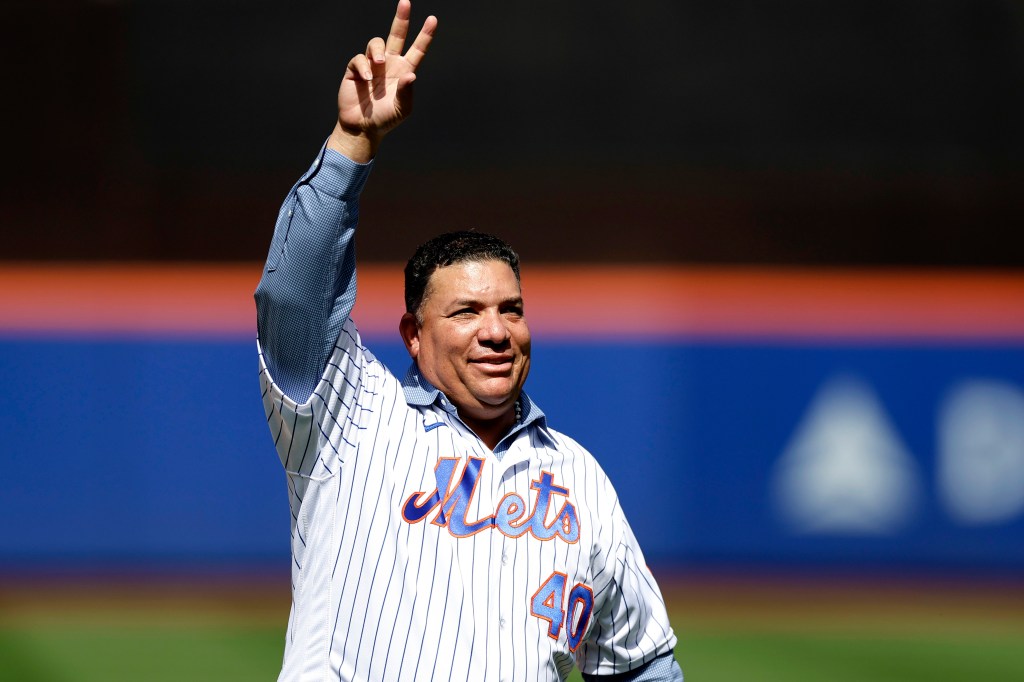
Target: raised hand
pixel 376 92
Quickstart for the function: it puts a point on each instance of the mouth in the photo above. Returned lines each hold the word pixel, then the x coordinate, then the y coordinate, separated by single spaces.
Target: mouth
pixel 494 363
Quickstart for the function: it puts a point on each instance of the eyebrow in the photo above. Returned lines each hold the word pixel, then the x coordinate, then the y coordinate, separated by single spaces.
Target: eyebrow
pixel 474 302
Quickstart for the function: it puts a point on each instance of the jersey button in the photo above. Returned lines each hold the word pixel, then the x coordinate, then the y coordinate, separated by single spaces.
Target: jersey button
pixel 504 559
pixel 501 622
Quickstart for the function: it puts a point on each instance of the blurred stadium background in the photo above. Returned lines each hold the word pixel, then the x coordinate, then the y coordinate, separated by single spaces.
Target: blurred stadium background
pixel 773 268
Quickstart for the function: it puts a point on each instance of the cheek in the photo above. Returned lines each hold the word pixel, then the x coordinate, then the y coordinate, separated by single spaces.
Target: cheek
pixel 523 339
pixel 448 343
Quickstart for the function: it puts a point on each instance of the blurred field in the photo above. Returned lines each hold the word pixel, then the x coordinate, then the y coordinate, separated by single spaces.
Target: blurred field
pixel 729 630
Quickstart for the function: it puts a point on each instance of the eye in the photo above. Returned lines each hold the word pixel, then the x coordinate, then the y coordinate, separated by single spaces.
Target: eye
pixel 463 312
pixel 513 310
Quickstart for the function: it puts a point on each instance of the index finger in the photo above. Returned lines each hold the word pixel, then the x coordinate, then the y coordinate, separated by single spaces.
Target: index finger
pixel 399 28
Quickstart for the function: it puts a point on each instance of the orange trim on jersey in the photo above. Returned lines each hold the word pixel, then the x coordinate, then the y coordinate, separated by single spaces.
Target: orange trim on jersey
pixel 592 301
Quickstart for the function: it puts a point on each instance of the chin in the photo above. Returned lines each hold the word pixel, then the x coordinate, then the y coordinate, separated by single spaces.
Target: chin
pixel 497 402
pixel 496 393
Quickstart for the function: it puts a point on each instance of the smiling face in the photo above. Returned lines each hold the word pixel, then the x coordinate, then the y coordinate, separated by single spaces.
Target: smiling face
pixel 471 340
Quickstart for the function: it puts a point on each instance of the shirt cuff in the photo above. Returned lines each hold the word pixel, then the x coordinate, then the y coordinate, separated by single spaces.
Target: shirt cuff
pixel 339 176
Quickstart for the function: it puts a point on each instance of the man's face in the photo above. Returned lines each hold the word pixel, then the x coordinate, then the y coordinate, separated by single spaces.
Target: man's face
pixel 471 341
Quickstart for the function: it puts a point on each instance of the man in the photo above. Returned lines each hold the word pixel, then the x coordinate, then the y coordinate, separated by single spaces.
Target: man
pixel 440 529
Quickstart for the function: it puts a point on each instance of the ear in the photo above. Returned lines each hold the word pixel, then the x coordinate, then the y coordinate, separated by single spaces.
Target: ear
pixel 410 331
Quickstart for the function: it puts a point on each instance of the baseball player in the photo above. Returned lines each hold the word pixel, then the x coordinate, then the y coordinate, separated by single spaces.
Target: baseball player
pixel 441 530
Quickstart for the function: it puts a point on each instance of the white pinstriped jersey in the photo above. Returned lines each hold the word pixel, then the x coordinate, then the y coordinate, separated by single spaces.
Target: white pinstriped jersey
pixel 420 554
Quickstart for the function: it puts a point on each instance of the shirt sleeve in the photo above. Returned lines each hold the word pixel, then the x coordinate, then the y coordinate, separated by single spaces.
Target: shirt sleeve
pixel 308 285
pixel 662 669
pixel 631 633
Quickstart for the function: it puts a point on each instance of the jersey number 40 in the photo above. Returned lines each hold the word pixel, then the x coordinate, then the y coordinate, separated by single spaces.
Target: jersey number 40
pixel 547 603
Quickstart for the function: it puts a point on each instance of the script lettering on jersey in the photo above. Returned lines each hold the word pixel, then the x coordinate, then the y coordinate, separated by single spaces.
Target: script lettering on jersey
pixel 511 517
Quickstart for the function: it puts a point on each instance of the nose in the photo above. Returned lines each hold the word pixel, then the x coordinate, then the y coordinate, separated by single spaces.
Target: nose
pixel 493 328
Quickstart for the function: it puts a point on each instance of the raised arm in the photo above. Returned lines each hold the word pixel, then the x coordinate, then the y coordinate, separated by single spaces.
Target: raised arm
pixel 308 286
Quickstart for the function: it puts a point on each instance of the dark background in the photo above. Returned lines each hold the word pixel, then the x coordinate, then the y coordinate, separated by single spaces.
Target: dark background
pixel 848 132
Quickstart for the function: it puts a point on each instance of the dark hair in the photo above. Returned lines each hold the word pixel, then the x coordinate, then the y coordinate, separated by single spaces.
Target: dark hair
pixel 448 249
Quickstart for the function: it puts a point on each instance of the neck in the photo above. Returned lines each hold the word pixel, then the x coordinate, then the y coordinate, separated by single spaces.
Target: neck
pixel 492 430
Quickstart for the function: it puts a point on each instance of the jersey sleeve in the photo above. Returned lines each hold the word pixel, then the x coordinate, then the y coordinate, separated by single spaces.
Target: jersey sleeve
pixel 630 635
pixel 308 285
pixel 662 669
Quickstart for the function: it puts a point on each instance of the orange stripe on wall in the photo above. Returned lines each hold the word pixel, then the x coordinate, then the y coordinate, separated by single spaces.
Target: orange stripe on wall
pixel 577 301
pixel 128 298
pixel 760 302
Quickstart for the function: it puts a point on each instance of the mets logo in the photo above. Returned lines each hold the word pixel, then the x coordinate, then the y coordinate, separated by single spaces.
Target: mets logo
pixel 511 517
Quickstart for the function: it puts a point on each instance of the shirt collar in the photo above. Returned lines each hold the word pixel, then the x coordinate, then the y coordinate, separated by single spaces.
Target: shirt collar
pixel 421 393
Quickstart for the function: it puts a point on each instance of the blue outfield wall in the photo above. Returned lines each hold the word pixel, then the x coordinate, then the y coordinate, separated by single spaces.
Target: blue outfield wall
pixel 724 454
